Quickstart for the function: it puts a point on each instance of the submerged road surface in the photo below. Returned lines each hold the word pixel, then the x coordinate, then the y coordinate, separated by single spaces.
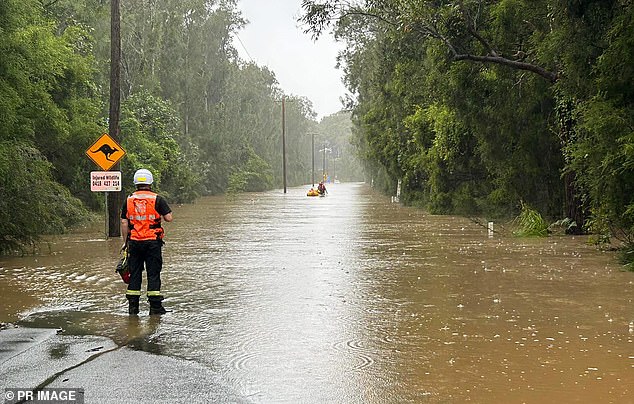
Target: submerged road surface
pixel 348 298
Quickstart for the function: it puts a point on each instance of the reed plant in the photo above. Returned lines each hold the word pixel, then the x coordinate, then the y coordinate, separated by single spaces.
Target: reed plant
pixel 530 223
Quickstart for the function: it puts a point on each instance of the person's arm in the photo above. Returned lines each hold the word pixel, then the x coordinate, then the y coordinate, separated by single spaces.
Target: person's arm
pixel 124 226
pixel 164 209
pixel 125 231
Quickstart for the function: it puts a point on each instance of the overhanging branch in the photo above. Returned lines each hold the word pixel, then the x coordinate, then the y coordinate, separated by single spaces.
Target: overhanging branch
pixel 327 13
pixel 547 74
pixel 49 4
pixel 367 14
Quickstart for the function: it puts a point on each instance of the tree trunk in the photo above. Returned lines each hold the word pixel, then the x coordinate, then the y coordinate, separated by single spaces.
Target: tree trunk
pixel 574 205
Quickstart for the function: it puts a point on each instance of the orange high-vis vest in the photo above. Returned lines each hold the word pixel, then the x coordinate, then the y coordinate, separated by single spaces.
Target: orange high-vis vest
pixel 145 221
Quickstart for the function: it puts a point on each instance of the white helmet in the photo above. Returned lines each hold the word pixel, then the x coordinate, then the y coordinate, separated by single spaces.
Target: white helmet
pixel 143 176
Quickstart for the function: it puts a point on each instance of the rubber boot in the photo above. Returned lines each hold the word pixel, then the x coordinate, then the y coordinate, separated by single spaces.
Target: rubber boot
pixel 133 305
pixel 156 307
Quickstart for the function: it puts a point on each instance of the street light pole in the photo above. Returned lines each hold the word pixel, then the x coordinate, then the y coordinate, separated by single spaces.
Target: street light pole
pixel 324 161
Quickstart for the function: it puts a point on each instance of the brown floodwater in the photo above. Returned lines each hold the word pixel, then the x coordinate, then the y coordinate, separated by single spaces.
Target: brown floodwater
pixel 351 298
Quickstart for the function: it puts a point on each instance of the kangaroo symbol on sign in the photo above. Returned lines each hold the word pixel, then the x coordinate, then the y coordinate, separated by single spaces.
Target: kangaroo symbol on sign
pixel 106 150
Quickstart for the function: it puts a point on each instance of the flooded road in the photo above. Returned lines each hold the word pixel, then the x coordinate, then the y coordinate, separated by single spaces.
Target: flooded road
pixel 351 299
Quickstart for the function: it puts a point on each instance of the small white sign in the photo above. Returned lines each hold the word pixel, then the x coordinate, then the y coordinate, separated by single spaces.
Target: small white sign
pixel 105 181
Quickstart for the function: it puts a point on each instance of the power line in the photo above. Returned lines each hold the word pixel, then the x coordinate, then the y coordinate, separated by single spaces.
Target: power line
pixel 244 47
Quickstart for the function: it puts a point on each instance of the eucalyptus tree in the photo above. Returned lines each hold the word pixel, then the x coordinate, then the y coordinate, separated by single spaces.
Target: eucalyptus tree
pixel 181 50
pixel 151 137
pixel 464 27
pixel 602 151
pixel 514 42
pixel 299 120
pixel 244 124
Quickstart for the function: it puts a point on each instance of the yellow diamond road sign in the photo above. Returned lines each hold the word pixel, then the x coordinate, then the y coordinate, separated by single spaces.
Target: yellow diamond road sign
pixel 105 152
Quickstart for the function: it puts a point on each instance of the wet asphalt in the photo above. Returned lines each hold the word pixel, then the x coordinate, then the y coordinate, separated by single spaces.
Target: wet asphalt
pixel 45 358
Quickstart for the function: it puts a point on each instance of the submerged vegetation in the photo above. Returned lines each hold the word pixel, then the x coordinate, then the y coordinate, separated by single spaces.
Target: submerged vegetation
pixel 626 257
pixel 530 223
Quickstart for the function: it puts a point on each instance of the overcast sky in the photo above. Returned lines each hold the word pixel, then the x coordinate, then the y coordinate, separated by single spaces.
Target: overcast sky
pixel 302 66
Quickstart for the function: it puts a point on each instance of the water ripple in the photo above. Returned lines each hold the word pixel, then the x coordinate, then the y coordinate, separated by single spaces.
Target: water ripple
pixel 356 348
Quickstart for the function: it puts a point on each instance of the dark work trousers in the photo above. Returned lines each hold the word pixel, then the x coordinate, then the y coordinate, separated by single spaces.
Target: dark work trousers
pixel 146 253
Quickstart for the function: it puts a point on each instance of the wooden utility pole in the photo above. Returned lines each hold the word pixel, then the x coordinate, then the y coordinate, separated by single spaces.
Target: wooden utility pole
pixel 113 204
pixel 284 141
pixel 323 165
pixel 313 156
pixel 334 165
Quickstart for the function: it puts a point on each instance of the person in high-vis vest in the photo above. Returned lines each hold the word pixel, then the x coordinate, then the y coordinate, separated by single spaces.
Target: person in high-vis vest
pixel 142 233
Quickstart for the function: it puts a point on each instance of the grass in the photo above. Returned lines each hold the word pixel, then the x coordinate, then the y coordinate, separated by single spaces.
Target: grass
pixel 530 223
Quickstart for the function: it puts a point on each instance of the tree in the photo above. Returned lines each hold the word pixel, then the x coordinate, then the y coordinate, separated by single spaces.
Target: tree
pixel 150 135
pixel 464 27
pixel 48 111
pixel 527 39
pixel 193 112
pixel 602 151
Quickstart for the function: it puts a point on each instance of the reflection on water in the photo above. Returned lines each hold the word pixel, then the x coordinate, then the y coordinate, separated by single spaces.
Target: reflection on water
pixel 349 298
pixel 136 332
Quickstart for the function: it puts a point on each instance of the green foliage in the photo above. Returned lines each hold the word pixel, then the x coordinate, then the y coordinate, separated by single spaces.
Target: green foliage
pixel 462 101
pixel 49 114
pixel 190 105
pixel 464 138
pixel 473 105
pixel 180 52
pixel 598 225
pixel 530 223
pixel 254 175
pixel 603 151
pixel 626 256
pixel 32 202
pixel 149 130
